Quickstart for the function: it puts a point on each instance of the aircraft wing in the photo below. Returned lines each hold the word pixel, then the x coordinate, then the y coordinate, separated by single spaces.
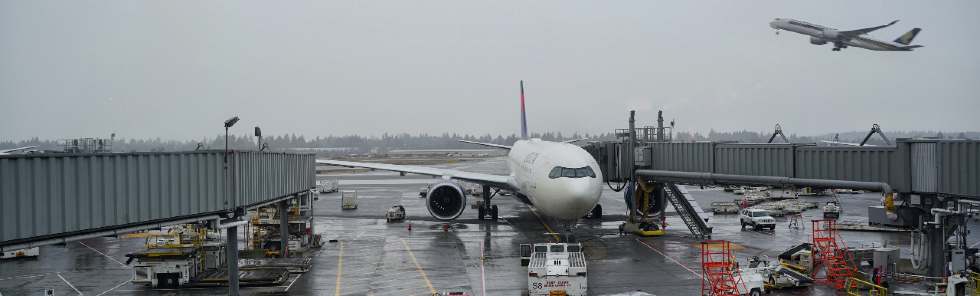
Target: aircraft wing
pixel 486 144
pixel 9 151
pixel 857 32
pixel 573 141
pixel 479 178
pixel 847 144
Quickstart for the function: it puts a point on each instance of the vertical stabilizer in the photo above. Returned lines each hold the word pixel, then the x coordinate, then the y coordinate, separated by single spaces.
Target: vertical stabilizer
pixel 523 114
pixel 906 38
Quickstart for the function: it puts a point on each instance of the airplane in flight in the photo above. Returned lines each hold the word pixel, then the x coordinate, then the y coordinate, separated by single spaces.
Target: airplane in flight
pixel 558 179
pixel 820 35
pixel 15 150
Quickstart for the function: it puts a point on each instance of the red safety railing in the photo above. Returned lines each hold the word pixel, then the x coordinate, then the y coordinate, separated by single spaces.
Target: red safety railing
pixel 720 274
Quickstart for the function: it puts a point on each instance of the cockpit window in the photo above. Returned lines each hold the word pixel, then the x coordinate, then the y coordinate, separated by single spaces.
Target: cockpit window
pixel 555 173
pixel 582 172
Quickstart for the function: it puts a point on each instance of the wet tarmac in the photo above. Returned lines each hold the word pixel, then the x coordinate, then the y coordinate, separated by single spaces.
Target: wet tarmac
pixel 372 257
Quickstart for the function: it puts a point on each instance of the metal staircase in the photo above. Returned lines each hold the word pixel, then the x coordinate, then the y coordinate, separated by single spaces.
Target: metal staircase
pixel 691 216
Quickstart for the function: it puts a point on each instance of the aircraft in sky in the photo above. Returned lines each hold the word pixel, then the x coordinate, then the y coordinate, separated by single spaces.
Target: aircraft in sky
pixel 558 179
pixel 15 150
pixel 820 35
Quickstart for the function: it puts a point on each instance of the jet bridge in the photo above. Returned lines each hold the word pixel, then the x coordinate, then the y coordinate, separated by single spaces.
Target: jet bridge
pixel 948 168
pixel 49 197
pixel 61 197
pixel 931 183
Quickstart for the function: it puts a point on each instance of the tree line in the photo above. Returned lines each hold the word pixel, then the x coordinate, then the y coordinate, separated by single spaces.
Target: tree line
pixel 387 142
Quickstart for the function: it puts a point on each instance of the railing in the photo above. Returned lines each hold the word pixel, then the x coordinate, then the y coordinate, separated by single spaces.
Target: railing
pixel 859 287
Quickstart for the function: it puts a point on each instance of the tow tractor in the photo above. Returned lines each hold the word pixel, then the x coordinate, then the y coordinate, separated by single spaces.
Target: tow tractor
pixel 777 276
pixel 555 269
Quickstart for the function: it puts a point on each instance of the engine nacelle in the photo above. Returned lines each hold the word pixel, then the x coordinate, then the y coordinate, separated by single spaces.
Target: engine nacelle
pixel 817 41
pixel 830 34
pixel 446 201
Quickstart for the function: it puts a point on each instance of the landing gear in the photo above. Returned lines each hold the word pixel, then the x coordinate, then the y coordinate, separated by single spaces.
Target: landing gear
pixel 838 46
pixel 486 209
pixel 596 212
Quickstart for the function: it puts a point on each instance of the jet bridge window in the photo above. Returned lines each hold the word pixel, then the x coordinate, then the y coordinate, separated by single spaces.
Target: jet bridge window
pixel 582 172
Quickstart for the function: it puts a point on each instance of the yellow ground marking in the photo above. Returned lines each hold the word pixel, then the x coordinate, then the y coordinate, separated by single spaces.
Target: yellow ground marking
pixel 340 268
pixel 419 268
pixel 552 231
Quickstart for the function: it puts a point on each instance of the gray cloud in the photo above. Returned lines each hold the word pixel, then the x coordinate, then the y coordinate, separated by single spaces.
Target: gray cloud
pixel 178 69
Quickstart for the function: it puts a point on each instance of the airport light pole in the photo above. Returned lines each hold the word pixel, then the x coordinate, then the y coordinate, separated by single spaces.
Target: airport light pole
pixel 231 248
pixel 258 134
pixel 228 124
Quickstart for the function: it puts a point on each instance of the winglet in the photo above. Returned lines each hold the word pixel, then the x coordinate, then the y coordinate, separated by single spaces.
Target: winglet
pixel 523 114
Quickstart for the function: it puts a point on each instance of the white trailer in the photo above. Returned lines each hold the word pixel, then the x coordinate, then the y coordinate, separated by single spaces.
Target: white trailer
pixel 348 199
pixel 555 269
pixel 21 253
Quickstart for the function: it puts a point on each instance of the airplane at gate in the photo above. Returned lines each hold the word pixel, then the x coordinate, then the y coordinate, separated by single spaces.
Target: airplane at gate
pixel 559 179
pixel 820 35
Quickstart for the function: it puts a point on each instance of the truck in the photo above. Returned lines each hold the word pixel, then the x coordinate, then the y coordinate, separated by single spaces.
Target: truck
pixel 348 199
pixel 831 210
pixel 757 218
pixel 555 269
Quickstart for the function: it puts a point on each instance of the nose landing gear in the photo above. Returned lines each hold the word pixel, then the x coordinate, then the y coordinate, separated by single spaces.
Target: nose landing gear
pixel 595 213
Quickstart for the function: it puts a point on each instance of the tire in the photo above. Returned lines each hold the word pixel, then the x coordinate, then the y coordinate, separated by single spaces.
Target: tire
pixel 481 213
pixel 597 212
pixel 743 225
pixel 493 212
pixel 755 292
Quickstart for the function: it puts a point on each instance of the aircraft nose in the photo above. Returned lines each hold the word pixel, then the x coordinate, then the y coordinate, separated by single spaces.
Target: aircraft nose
pixel 774 24
pixel 581 192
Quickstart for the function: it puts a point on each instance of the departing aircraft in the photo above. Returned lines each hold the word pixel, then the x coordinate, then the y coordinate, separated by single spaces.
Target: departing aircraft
pixel 559 179
pixel 820 35
pixel 15 150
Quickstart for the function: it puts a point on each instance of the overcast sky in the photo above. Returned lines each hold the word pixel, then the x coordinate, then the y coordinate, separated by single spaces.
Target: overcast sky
pixel 177 69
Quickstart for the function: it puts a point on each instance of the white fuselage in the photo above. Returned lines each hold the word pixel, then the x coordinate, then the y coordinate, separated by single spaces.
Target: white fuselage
pixel 532 163
pixel 826 34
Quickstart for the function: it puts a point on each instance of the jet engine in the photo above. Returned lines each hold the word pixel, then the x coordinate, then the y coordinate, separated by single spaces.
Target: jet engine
pixel 817 41
pixel 446 201
pixel 830 34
